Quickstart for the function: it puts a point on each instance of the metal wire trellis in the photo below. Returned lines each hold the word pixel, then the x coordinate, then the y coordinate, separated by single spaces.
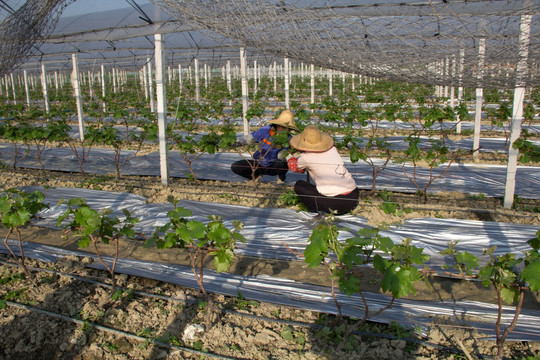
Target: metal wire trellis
pixel 455 43
pixel 23 29
pixel 435 42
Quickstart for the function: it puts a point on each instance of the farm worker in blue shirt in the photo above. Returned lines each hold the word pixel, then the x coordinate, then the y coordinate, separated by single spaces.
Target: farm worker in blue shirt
pixel 269 155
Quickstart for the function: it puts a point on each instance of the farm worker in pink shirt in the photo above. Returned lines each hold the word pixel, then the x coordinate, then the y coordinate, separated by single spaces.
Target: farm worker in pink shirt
pixel 334 190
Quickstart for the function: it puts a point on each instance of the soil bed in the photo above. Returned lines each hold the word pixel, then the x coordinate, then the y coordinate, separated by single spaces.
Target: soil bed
pixel 66 318
pixel 243 329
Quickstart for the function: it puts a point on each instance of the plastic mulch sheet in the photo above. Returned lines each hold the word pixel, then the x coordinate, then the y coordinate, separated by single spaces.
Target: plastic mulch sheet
pixel 488 180
pixel 267 230
pixel 408 313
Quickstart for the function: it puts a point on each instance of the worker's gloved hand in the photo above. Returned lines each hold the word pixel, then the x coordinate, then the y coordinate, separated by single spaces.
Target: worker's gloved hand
pixel 248 139
pixel 290 156
pixel 280 155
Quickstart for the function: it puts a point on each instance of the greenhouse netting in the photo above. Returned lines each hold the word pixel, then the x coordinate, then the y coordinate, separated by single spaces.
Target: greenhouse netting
pixel 388 79
pixel 456 43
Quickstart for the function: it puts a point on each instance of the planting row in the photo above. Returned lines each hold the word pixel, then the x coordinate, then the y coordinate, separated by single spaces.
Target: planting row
pixel 400 265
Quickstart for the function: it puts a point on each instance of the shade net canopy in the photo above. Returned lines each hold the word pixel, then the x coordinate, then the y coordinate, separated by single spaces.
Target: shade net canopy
pixel 124 38
pixel 468 43
pixel 435 42
pixel 24 25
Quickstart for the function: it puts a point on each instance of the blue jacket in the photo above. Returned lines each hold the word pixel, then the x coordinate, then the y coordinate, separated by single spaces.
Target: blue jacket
pixel 270 153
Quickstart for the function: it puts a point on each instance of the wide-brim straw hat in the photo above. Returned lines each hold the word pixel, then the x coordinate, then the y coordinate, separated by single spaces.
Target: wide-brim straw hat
pixel 312 139
pixel 285 119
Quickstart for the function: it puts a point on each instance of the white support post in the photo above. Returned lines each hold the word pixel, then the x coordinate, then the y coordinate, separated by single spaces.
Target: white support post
pixel 460 87
pixel 77 89
pixel 517 109
pixel 313 83
pixel 229 81
pixel 150 85
pixel 197 81
pixel 145 82
pixel 44 88
pixel 13 88
pixel 330 79
pixel 56 82
pixel 446 65
pixel 452 88
pixel 228 74
pixel 243 74
pixel 180 78
pixel 477 123
pixel 102 74
pixel 26 89
pixel 274 75
pixel 114 79
pixel 255 79
pixel 290 74
pixel 438 91
pixel 205 76
pixel 6 84
pixel 287 82
pixel 293 70
pixel 479 100
pixel 103 90
pixel 161 110
pixel 91 84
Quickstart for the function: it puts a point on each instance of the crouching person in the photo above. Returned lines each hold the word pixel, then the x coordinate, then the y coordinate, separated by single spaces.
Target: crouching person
pixel 268 160
pixel 334 190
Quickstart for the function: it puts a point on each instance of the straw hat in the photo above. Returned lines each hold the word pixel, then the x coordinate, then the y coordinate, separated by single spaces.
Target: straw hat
pixel 285 119
pixel 312 139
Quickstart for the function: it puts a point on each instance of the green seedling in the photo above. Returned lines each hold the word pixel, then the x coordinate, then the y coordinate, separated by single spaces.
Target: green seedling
pixel 120 293
pixel 297 337
pixel 392 208
pixel 290 198
pixel 242 303
pixel 200 240
pixel 398 268
pixel 434 155
pixel 17 208
pixel 97 227
pixel 511 277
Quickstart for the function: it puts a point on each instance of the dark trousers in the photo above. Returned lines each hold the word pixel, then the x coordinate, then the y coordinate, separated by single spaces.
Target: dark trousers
pixel 315 201
pixel 243 168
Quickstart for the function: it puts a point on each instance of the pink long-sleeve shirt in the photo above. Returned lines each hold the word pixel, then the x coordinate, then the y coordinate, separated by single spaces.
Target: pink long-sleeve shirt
pixel 327 170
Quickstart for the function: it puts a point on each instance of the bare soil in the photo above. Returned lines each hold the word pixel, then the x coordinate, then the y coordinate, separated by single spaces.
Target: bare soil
pixel 83 320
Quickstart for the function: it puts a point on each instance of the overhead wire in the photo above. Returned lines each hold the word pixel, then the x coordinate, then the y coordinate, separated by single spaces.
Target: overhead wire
pixel 143 16
pixel 6 7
